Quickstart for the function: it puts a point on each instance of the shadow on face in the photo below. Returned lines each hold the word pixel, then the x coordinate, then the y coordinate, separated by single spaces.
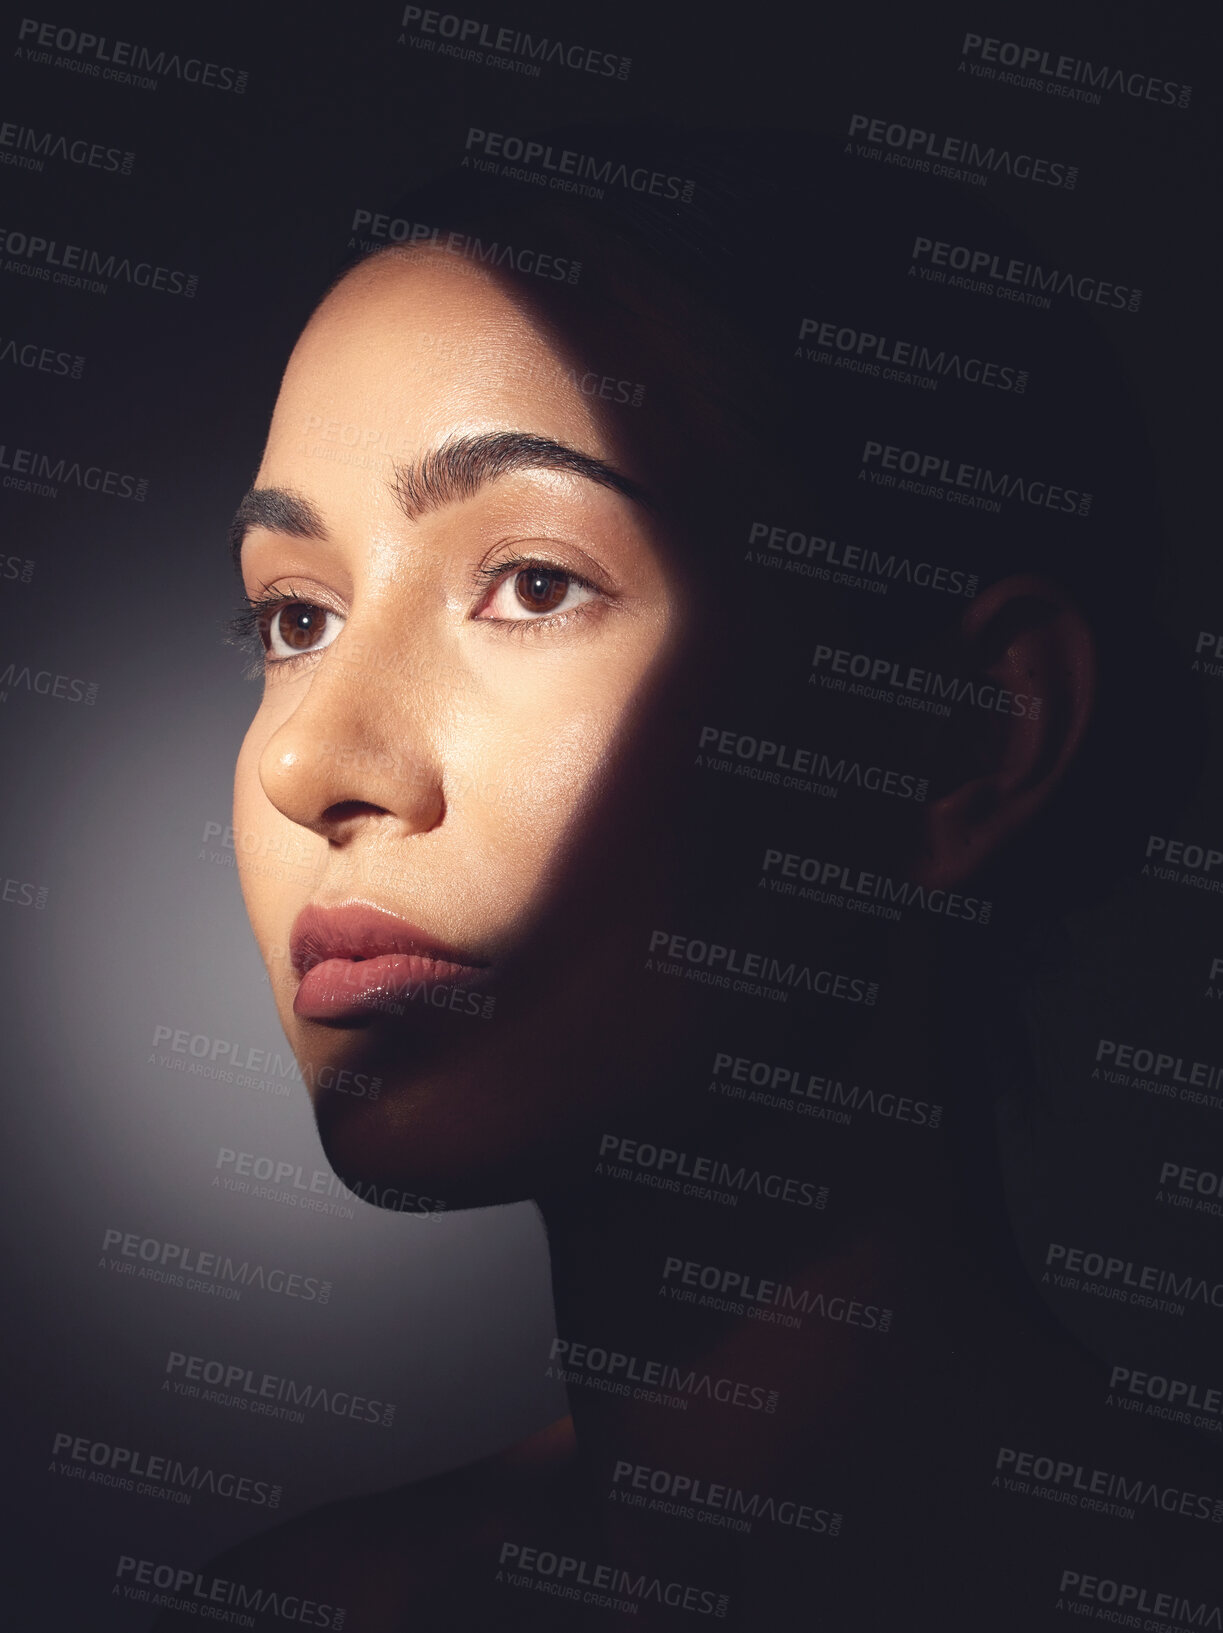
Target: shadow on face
pixel 470 620
pixel 501 536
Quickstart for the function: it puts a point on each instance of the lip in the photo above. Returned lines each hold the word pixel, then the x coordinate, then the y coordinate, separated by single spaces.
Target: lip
pixel 355 962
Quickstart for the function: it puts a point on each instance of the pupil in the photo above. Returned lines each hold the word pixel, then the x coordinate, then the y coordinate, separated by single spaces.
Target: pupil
pixel 540 590
pixel 300 625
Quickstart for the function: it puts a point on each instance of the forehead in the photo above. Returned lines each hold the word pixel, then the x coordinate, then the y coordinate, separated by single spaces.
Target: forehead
pixel 422 344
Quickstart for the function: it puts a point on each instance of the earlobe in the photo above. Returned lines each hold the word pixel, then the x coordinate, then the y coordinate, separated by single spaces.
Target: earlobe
pixel 1025 638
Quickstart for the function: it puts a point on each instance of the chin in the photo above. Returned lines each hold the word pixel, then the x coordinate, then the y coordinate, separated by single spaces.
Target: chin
pixel 434 1141
pixel 502 1097
pixel 453 1107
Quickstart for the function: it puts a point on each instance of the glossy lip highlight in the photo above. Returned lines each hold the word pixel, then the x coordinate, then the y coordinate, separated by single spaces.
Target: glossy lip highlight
pixel 353 960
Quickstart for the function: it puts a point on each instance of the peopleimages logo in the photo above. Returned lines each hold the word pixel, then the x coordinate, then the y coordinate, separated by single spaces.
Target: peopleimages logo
pixel 1130 1596
pixel 266 1394
pixel 470 39
pixel 959 158
pixel 712 964
pixel 28 149
pixel 155 1475
pixel 762 760
pixel 30 255
pixel 31 354
pixel 907 362
pixel 762 1082
pixel 1126 1063
pixel 24 893
pixel 1110 1275
pixel 886 680
pixel 67 688
pixel 572 171
pixel 628 1375
pixel 183 1588
pixel 121 61
pixel 1197 1184
pixel 1013 279
pixel 1098 1490
pixel 30 471
pixel 283 1180
pixel 736 1292
pixel 1073 77
pixel 1182 863
pixel 609 1587
pixel 534 263
pixel 858 567
pixel 940 477
pixel 217 1273
pixel 1208 640
pixel 862 888
pixel 662 1160
pixel 685 1496
pixel 1173 1400
pixel 221 1058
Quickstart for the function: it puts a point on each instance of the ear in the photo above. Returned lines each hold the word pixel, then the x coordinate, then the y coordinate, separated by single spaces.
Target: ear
pixel 1024 635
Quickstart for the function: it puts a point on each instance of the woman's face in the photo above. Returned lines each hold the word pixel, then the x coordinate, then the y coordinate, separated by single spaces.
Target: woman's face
pixel 459 609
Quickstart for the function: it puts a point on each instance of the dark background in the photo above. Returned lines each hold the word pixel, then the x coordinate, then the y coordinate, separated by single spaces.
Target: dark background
pixel 113 808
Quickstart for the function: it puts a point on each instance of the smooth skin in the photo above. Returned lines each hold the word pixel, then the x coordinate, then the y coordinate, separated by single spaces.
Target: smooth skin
pixel 427 738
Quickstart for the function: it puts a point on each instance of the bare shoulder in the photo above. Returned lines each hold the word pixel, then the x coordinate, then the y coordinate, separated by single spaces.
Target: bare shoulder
pixel 421 1555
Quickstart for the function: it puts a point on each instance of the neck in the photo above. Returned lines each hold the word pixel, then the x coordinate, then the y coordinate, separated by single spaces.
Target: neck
pixel 770 1318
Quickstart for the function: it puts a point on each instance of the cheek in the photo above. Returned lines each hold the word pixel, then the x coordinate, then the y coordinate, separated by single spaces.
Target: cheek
pixel 534 763
pixel 547 774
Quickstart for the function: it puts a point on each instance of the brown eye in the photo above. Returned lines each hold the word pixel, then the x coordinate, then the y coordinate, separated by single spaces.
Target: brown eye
pixel 527 594
pixel 540 589
pixel 299 626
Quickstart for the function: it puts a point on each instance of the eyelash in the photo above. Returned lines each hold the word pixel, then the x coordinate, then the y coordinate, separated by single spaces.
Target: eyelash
pixel 496 572
pixel 247 624
pixel 243 630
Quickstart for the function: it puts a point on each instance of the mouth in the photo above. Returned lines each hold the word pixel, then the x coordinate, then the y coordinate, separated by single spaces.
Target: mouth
pixel 357 962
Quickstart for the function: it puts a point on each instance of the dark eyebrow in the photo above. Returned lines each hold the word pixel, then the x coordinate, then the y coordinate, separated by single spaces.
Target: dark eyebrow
pixel 280 510
pixel 461 466
pixel 456 470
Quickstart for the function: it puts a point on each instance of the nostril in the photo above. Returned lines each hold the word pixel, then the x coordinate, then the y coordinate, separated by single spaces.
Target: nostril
pixel 346 810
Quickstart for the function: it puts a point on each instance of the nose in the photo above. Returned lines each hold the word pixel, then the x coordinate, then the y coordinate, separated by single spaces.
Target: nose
pixel 357 749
